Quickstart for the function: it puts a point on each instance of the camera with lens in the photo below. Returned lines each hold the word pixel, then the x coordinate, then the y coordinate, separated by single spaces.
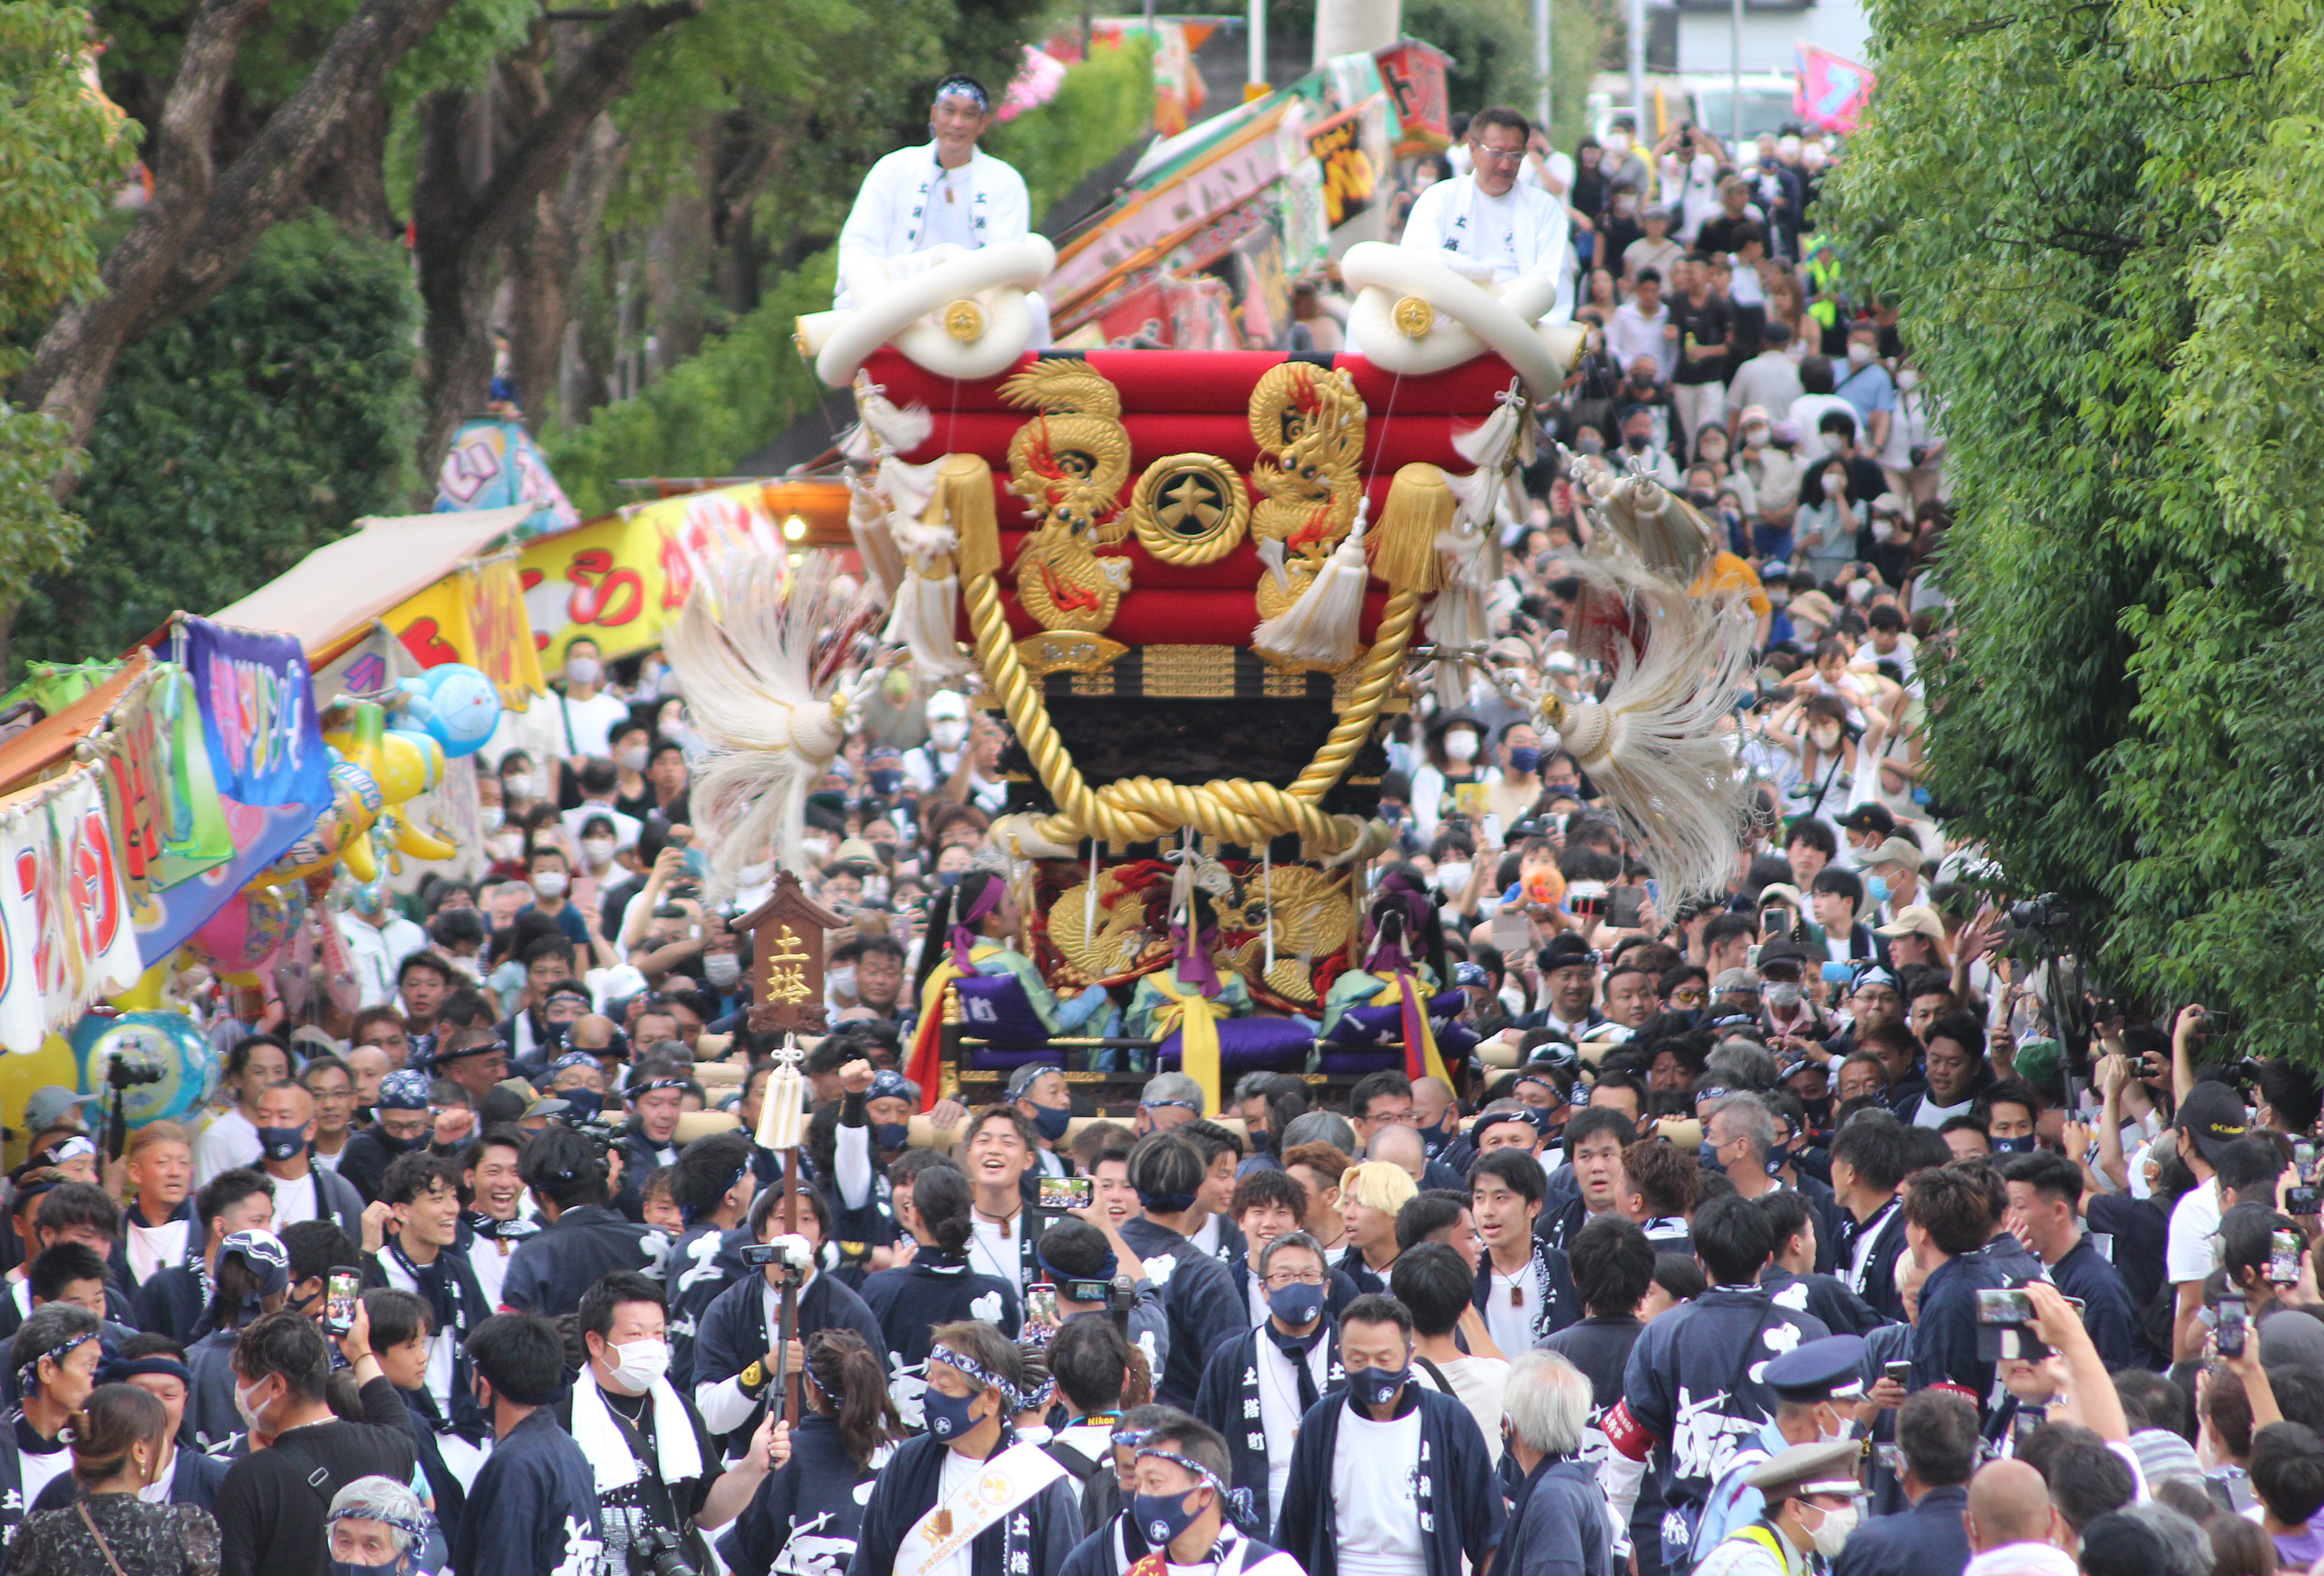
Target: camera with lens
pixel 123 1073
pixel 2045 915
pixel 657 1551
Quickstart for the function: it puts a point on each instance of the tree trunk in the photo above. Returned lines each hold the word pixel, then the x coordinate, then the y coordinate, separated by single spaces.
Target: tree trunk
pixel 457 255
pixel 351 183
pixel 200 227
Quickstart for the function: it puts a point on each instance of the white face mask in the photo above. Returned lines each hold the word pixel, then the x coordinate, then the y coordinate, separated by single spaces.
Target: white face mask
pixel 1625 205
pixel 242 1408
pixel 1833 1531
pixel 548 883
pixel 1460 745
pixel 843 979
pixel 597 850
pixel 642 1362
pixel 1860 354
pixel 722 969
pixel 581 669
pixel 630 759
pixel 1618 144
pixel 1910 378
pixel 1784 993
pixel 518 784
pixel 509 845
pixel 1451 879
pixel 1754 434
pixel 947 733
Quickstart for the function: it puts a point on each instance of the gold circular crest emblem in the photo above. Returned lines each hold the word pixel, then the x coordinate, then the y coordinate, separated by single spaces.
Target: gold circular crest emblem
pixel 1413 318
pixel 1189 509
pixel 963 320
pixel 995 1487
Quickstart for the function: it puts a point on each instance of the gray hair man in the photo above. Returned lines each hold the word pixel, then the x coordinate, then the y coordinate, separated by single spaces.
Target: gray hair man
pixel 1557 1517
pixel 1738 1136
pixel 1170 1100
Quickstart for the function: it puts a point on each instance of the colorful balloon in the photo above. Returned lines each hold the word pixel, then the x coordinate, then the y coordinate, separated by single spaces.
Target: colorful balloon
pixel 242 936
pixel 168 1041
pixel 455 705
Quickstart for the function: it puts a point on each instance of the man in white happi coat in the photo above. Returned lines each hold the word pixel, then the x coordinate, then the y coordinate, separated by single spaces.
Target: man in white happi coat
pixel 1489 225
pixel 946 192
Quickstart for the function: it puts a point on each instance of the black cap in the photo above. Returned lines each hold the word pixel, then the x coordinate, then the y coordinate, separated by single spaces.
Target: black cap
pixel 2213 1115
pixel 1869 818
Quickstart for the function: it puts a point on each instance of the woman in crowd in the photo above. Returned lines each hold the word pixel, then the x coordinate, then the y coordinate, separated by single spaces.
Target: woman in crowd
pixel 811 1504
pixel 120 1438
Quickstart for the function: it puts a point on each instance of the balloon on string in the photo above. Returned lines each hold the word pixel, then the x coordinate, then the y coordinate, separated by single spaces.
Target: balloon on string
pixel 455 705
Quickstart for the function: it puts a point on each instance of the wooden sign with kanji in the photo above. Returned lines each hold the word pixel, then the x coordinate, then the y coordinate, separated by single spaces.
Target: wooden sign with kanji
pixel 787 959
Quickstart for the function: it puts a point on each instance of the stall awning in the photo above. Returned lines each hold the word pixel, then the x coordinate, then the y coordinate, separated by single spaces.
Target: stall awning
pixel 336 590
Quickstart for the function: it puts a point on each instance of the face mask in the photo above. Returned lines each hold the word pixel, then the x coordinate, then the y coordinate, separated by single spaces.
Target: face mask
pixel 1702 500
pixel 349 1568
pixel 1296 1305
pixel 1778 598
pixel 1636 442
pixel 2021 1145
pixel 947 1416
pixel 1451 879
pixel 948 732
pixel 1051 1122
pixel 1376 1386
pixel 892 1135
pixel 722 969
pixel 1833 1531
pixel 886 779
pixel 1786 995
pixel 243 1409
pixel 491 816
pixel 597 850
pixel 1777 1158
pixel 586 1103
pixel 1910 378
pixel 1877 889
pixel 548 883
pixel 1825 739
pixel 1755 435
pixel 509 845
pixel 1524 758
pixel 395 1146
pixel 843 979
pixel 632 760
pixel 642 1363
pixel 1162 1516
pixel 1625 205
pixel 1714 452
pixel 1460 745
pixel 1618 144
pixel 581 669
pixel 1860 354
pixel 279 1144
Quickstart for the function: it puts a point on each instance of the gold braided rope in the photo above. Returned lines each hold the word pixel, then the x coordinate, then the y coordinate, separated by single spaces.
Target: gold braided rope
pixel 1140 809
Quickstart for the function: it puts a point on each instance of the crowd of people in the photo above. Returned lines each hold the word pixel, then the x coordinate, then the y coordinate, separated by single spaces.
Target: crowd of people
pixel 1807 1225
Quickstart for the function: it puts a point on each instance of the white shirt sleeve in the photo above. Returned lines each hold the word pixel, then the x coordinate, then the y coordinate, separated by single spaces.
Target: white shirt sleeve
pixel 1011 208
pixel 1423 227
pixel 869 223
pixel 2186 1252
pixel 724 1407
pixel 851 1161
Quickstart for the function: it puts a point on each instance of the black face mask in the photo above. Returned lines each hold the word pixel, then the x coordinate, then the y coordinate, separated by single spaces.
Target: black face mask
pixel 1819 1111
pixel 1636 442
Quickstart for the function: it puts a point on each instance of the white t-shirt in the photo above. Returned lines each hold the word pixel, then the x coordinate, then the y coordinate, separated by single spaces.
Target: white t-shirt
pixel 2194 1222
pixel 299 1198
pixel 1477 1382
pixel 1279 1408
pixel 1373 1497
pixel 230 1140
pixel 959 1472
pixel 153 1248
pixel 1510 1321
pixel 581 728
pixel 990 1252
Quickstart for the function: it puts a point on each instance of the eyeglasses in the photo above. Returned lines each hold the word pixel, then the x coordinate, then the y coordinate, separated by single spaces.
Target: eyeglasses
pixel 1687 998
pixel 1282 1278
pixel 1484 155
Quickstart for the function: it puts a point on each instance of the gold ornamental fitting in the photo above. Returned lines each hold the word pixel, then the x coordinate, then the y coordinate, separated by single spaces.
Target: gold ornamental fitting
pixel 964 320
pixel 1413 317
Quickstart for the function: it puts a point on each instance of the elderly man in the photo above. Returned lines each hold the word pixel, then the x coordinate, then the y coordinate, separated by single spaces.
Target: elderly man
pixel 946 192
pixel 1488 225
pixel 1557 1517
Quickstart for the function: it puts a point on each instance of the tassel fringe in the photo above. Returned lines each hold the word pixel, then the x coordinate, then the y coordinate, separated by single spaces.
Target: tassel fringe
pixel 1419 506
pixel 963 493
pixel 1321 627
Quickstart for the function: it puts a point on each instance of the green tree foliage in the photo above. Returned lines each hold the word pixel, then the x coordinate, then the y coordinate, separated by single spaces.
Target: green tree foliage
pixel 2102 223
pixel 60 153
pixel 237 440
pixel 742 390
pixel 1491 45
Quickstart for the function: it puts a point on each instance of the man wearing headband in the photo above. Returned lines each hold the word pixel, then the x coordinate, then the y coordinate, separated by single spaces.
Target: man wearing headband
pixel 1180 1503
pixel 967 1499
pixel 946 192
pixel 403 1121
pixel 54 1358
pixel 1040 1096
pixel 656 1096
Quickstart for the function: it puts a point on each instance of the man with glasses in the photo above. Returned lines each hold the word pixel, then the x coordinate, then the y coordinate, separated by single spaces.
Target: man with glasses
pixel 1256 1391
pixel 1487 224
pixel 332 1082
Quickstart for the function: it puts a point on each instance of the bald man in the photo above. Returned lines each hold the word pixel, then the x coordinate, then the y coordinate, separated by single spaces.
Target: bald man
pixel 2012 1526
pixel 1400 1146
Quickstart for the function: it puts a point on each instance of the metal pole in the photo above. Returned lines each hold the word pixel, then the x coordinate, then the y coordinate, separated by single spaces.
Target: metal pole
pixel 1542 58
pixel 1735 87
pixel 1255 70
pixel 1149 18
pixel 1648 133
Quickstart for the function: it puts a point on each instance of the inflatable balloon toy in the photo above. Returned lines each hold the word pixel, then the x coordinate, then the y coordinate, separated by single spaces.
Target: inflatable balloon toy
pixel 242 937
pixel 404 764
pixel 170 1044
pixel 344 825
pixel 455 705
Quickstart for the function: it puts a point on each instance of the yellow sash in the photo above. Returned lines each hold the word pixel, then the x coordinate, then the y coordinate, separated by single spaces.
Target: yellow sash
pixel 1428 1063
pixel 1196 1017
pixel 926 1065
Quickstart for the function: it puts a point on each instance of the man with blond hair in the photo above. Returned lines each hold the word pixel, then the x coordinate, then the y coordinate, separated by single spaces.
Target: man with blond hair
pixel 1371 1194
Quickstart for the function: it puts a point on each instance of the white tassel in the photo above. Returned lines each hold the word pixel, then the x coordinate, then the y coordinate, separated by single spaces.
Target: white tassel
pixel 1321 627
pixel 1089 895
pixel 1477 493
pixel 920 621
pixel 867 522
pixel 1488 445
pixel 1655 745
pixel 908 488
pixel 1660 527
pixel 857 446
pixel 1270 557
pixel 743 648
pixel 900 431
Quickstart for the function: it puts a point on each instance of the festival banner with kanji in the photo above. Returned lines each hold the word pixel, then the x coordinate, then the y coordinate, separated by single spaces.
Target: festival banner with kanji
pixel 621 580
pixel 66 938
